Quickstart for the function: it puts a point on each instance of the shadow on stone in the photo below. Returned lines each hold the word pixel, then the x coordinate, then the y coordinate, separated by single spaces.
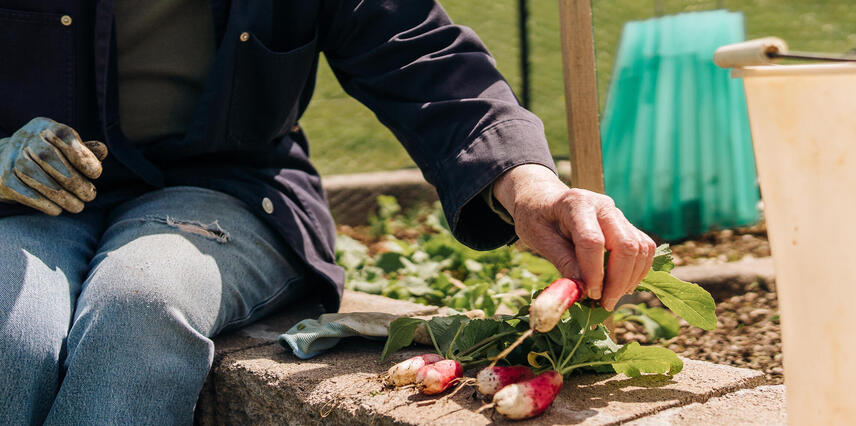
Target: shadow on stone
pixel 268 385
pixel 257 381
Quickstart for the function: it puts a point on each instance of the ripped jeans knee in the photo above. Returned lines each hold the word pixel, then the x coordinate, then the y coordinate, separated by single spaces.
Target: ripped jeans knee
pixel 212 231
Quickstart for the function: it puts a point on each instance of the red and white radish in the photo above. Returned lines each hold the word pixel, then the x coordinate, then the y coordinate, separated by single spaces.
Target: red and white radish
pixel 547 309
pixel 437 377
pixel 491 379
pixel 528 398
pixel 404 373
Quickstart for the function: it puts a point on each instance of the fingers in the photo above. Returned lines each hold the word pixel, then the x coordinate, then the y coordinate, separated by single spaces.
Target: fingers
pixel 48 167
pixel 97 148
pixel 623 245
pixel 589 243
pixel 639 266
pixel 644 261
pixel 631 254
pixel 55 164
pixel 29 172
pixel 15 190
pixel 68 142
pixel 596 226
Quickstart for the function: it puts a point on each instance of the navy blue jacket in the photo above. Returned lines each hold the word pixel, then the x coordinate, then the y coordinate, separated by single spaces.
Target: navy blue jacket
pixel 431 82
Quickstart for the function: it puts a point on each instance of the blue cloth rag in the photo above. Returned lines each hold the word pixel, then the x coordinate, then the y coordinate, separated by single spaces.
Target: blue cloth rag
pixel 312 337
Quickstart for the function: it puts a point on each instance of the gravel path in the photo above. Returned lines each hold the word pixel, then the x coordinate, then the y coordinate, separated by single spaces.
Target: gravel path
pixel 747 334
pixel 728 245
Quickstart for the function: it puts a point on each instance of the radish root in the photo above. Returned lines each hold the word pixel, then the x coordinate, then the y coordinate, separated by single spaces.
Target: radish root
pixel 461 383
pixel 486 407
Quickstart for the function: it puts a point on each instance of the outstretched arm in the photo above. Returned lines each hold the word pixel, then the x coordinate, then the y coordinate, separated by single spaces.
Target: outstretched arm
pixel 437 88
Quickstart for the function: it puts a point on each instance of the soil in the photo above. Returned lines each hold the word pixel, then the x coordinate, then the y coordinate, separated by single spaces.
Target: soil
pixel 727 245
pixel 747 333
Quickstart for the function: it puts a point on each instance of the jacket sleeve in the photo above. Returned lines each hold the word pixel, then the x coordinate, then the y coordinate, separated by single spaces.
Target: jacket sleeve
pixel 437 88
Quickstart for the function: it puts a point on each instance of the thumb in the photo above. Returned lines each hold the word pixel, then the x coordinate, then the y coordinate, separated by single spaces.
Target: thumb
pixel 97 148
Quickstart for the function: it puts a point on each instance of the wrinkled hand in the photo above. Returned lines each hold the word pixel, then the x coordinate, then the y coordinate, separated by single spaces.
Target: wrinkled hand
pixel 45 165
pixel 572 228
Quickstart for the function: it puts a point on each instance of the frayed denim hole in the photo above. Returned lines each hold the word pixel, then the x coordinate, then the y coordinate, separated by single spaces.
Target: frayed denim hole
pixel 212 231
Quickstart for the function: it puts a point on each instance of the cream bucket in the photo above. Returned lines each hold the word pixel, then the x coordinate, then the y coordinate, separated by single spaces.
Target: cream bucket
pixel 803 121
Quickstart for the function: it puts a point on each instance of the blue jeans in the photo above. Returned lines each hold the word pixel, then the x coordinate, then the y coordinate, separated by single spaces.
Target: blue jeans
pixel 106 317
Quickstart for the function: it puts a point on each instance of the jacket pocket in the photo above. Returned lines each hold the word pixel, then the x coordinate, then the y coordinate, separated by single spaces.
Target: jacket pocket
pixel 265 90
pixel 37 72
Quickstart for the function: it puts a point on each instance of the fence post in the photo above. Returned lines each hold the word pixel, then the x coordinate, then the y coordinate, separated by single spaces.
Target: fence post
pixel 523 30
pixel 575 22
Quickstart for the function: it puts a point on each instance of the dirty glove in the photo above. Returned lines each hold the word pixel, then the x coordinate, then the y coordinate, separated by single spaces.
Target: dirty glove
pixel 45 165
pixel 312 337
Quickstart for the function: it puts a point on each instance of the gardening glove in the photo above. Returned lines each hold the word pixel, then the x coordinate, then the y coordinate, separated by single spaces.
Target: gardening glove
pixel 45 165
pixel 312 337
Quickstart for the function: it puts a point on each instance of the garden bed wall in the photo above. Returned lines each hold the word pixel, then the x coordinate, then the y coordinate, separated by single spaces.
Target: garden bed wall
pixel 254 380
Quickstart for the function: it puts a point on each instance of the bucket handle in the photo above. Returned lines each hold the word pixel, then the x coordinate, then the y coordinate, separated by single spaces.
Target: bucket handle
pixel 764 51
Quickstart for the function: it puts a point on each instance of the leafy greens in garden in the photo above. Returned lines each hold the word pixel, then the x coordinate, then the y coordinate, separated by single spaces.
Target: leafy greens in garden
pixel 433 268
pixel 436 269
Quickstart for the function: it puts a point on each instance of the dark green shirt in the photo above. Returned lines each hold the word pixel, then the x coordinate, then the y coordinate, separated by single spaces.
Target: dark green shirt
pixel 165 50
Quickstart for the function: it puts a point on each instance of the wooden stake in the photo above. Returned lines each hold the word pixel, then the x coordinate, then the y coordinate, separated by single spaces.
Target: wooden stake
pixel 575 23
pixel 581 94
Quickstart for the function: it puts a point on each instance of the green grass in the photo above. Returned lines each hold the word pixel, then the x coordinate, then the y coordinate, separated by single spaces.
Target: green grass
pixel 347 138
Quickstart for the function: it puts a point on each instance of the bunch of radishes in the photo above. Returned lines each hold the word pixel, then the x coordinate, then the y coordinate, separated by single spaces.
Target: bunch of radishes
pixel 517 392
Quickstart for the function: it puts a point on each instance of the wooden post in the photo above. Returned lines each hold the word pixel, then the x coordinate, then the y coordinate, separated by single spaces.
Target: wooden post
pixel 581 99
pixel 581 94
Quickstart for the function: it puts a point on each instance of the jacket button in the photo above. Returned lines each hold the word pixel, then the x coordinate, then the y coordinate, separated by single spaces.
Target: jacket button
pixel 65 20
pixel 267 205
pixel 245 36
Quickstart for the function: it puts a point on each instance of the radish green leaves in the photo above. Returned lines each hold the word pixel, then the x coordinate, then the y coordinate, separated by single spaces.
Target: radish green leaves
pixel 579 341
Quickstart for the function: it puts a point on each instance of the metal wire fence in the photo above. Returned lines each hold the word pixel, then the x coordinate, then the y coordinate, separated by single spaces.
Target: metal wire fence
pixel 347 138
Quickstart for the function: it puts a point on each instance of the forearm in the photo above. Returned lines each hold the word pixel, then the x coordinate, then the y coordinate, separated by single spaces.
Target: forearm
pixel 525 180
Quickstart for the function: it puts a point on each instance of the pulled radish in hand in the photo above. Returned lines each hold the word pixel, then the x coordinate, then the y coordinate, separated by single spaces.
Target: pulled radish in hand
pixel 547 309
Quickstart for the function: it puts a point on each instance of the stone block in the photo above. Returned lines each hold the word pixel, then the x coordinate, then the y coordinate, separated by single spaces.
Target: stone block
pixel 764 405
pixel 268 385
pixel 267 330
